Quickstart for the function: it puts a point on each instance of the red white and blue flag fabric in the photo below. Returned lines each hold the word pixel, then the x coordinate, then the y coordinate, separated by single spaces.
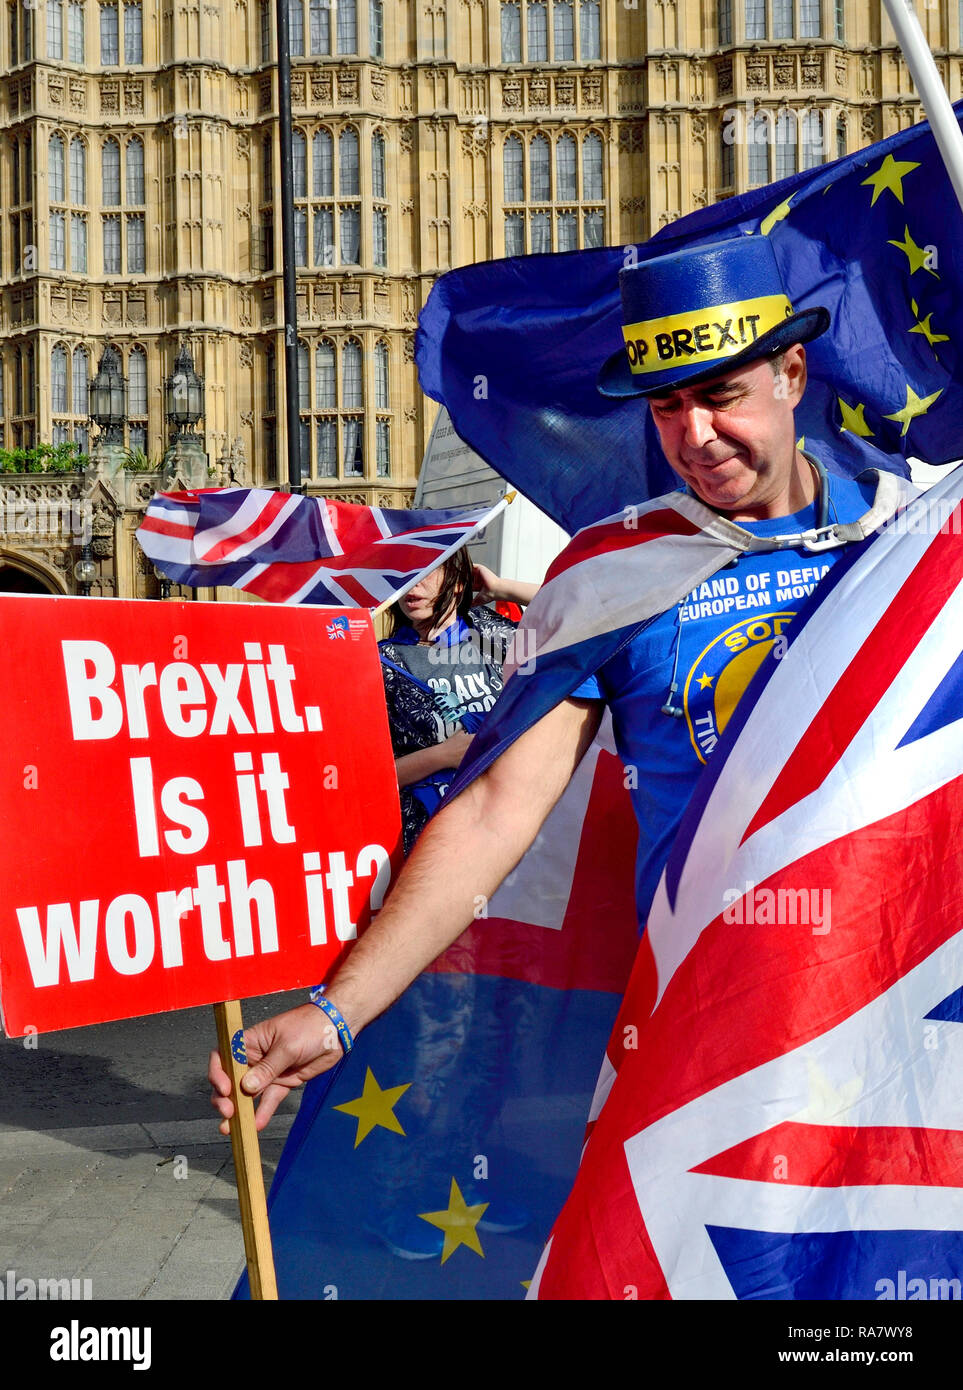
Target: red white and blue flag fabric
pixel 290 549
pixel 780 1111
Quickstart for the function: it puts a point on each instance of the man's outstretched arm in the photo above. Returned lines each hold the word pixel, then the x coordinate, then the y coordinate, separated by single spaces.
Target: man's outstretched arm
pixel 462 855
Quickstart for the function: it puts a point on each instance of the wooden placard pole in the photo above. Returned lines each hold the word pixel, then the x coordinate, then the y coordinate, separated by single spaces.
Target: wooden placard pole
pixel 247 1161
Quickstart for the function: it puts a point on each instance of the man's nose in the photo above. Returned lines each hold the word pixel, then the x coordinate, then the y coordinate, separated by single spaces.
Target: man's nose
pixel 697 421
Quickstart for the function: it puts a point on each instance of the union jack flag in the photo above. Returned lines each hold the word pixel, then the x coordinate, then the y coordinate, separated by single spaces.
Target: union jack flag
pixel 780 1110
pixel 289 549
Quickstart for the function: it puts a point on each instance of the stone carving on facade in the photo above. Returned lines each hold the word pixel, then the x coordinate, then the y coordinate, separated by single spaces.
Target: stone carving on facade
pixel 632 205
pixel 671 215
pixel 784 70
pixel 382 298
pixel 404 91
pixel 699 129
pixel 244 310
pixel 55 90
pixel 407 207
pixel 408 344
pixel 377 79
pixel 136 307
pixel 565 90
pixel 26 95
pixel 592 89
pixel 411 413
pixel 697 80
pixel 348 84
pixel 245 354
pixel 757 73
pixel 321 85
pixel 538 91
pixel 109 97
pixel 350 307
pixel 80 306
pixel 298 87
pixel 265 93
pixel 406 137
pixel 234 465
pixel 867 75
pixel 812 70
pixel 868 126
pixel 842 69
pixel 512 93
pixel 59 303
pixel 724 76
pixel 112 306
pixel 133 96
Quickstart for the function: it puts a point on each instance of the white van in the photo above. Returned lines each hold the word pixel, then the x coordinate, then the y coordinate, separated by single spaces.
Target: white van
pixel 521 542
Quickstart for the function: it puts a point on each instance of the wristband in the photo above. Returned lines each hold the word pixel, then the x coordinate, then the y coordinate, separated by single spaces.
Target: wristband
pixel 337 1018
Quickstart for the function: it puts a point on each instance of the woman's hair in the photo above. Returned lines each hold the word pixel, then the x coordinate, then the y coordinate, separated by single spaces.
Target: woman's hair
pixel 456 572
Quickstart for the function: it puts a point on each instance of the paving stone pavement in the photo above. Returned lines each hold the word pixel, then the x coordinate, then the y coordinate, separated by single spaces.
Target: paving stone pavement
pixel 140 1201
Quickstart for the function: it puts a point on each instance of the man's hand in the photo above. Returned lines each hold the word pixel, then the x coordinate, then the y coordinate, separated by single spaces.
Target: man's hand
pixel 283 1052
pixel 464 852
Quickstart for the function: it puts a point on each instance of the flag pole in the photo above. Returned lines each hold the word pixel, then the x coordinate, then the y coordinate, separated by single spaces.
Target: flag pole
pixel 487 521
pixel 248 1173
pixel 936 102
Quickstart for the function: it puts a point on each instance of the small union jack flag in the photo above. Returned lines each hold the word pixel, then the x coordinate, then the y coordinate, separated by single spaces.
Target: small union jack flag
pixel 289 549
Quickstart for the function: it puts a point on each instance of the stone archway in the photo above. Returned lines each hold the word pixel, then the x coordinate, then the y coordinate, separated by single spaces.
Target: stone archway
pixel 20 578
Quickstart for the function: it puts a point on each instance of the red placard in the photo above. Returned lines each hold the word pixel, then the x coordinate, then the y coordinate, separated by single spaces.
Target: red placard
pixel 197 802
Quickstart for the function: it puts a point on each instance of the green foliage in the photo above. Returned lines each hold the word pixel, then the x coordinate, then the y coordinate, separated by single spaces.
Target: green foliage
pixel 44 458
pixel 136 461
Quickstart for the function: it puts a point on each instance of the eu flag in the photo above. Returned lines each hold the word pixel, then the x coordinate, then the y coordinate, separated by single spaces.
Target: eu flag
pixel 512 347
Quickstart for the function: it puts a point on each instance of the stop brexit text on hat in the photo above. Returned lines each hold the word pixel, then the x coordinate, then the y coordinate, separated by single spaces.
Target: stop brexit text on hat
pixel 193 808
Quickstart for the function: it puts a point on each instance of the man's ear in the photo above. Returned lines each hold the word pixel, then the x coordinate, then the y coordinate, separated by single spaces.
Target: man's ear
pixel 796 373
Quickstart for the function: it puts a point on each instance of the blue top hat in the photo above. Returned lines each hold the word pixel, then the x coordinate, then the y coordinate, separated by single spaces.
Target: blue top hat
pixel 709 309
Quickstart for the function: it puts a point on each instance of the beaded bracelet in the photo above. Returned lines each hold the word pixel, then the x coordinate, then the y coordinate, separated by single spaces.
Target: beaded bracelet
pixel 337 1018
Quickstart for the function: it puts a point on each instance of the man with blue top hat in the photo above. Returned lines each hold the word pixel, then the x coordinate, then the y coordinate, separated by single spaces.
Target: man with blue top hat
pixel 714 347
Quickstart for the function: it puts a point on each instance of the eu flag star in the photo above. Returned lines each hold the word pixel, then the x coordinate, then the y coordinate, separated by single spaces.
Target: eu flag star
pixel 918 256
pixel 705 681
pixel 777 215
pixel 458 1223
pixel 890 175
pixel 915 405
pixel 374 1107
pixel 923 326
pixel 853 419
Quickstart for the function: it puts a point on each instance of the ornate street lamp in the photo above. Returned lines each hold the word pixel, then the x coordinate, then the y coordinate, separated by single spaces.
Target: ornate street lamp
pixel 85 570
pixel 183 395
pixel 163 581
pixel 108 398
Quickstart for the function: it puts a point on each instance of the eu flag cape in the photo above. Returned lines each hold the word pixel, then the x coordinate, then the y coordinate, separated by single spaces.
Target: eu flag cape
pixel 513 347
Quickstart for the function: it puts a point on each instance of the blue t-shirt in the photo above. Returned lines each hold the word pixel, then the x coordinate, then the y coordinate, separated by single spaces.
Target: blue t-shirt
pixel 723 630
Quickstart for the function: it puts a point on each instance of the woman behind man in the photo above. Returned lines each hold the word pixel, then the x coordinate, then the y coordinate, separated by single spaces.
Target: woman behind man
pixel 442 667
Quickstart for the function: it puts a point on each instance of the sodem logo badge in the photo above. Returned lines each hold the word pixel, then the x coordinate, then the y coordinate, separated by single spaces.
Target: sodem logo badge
pixel 721 672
